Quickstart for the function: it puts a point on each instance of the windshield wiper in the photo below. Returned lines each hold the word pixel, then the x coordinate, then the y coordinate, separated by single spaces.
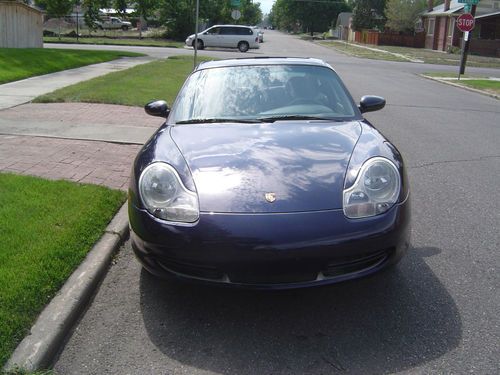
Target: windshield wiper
pixel 216 120
pixel 294 117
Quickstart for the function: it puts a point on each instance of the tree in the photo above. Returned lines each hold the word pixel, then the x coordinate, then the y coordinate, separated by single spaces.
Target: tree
pixel 251 14
pixel 179 15
pixel 368 14
pixel 306 15
pixel 91 14
pixel 145 8
pixel 402 14
pixel 57 9
pixel 120 6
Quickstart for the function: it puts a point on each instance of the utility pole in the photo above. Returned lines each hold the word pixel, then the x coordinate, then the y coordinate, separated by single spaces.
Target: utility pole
pixel 196 33
pixel 78 9
pixel 466 42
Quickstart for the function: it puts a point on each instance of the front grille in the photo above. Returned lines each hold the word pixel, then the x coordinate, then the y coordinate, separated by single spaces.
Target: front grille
pixel 193 270
pixel 363 263
pixel 272 277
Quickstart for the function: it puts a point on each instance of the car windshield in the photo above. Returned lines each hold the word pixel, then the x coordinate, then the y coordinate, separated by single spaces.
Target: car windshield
pixel 263 93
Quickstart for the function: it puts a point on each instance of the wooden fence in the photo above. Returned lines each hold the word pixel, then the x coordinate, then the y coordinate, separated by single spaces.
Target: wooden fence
pixel 389 39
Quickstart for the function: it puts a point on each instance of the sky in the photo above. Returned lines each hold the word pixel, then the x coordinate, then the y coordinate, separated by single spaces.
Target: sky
pixel 265 5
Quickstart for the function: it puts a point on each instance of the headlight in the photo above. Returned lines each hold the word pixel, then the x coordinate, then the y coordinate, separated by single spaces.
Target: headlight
pixel 165 196
pixel 375 190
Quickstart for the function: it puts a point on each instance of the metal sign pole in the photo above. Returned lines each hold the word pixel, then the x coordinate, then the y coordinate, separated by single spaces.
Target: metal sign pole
pixel 465 49
pixel 196 33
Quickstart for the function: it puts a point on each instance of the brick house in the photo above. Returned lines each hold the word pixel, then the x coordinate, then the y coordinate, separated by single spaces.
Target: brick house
pixel 442 34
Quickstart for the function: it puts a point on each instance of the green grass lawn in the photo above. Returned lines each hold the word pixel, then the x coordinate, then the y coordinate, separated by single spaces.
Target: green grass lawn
pixel 135 86
pixel 46 229
pixel 476 82
pixel 145 42
pixel 20 63
pixel 451 75
pixel 353 50
pixel 489 86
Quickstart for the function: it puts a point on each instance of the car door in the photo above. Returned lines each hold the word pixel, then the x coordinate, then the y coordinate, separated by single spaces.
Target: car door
pixel 212 37
pixel 224 35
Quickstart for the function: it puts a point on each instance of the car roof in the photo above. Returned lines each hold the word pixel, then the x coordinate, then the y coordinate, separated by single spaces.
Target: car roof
pixel 252 61
pixel 248 27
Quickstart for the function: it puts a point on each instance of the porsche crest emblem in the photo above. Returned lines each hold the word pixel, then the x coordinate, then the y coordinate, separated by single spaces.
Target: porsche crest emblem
pixel 270 197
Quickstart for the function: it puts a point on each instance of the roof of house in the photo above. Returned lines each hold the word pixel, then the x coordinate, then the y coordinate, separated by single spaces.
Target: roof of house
pixel 438 10
pixel 488 15
pixel 20 4
pixel 485 8
pixel 343 19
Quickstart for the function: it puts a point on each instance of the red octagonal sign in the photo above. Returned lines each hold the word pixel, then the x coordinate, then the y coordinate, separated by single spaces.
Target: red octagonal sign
pixel 465 22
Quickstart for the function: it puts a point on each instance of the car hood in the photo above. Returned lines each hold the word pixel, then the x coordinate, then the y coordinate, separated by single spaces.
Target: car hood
pixel 302 164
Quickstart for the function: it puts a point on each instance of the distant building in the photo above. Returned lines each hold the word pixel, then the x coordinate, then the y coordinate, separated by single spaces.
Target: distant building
pixel 21 25
pixel 343 26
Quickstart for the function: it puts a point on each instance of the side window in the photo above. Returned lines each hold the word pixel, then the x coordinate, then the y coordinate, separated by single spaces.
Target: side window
pixel 430 26
pixel 214 31
pixel 243 31
pixel 228 31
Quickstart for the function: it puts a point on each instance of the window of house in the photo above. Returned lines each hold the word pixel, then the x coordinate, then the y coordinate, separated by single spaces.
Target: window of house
pixel 451 25
pixel 430 26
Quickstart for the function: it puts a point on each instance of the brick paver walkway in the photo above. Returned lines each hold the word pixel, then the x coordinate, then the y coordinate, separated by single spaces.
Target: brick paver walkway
pixel 81 113
pixel 98 163
pixel 94 162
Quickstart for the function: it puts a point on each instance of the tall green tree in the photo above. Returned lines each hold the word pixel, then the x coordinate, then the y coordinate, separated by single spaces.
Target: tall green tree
pixel 91 13
pixel 120 6
pixel 306 16
pixel 403 14
pixel 179 15
pixel 145 8
pixel 368 14
pixel 57 9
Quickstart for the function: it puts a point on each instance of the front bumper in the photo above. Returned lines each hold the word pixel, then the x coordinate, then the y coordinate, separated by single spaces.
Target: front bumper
pixel 271 251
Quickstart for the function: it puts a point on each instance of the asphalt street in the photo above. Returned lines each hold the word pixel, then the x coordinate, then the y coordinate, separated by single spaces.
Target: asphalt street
pixel 437 312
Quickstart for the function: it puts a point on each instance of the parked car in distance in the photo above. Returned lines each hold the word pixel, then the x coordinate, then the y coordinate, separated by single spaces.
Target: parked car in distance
pixel 226 36
pixel 266 175
pixel 260 33
pixel 113 23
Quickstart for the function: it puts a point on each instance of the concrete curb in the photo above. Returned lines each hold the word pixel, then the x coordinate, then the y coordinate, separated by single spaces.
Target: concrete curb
pixel 38 349
pixel 461 86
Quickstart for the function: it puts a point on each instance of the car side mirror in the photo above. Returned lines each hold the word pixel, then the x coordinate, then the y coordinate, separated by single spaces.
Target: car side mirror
pixel 370 103
pixel 158 108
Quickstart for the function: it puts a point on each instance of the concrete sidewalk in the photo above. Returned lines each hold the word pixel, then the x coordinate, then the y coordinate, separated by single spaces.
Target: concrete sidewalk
pixel 23 91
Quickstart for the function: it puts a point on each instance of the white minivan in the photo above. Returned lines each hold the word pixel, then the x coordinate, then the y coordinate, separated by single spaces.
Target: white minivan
pixel 228 36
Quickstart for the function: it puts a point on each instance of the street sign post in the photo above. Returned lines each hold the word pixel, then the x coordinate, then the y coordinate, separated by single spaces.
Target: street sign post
pixel 196 33
pixel 465 22
pixel 236 14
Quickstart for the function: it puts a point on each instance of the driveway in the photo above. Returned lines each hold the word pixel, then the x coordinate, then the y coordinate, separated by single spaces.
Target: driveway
pixel 437 312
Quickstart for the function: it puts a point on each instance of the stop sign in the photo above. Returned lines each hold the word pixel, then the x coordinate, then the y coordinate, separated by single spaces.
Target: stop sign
pixel 465 22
